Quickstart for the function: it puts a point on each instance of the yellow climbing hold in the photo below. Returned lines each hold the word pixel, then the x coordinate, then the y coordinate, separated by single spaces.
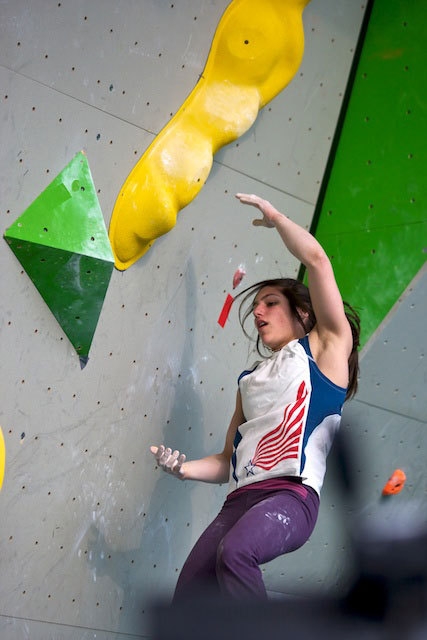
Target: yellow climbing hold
pixel 256 50
pixel 2 457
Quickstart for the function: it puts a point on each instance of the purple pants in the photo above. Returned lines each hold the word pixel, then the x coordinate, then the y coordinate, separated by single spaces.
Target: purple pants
pixel 253 527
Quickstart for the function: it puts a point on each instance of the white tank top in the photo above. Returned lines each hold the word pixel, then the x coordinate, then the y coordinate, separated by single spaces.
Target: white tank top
pixel 292 413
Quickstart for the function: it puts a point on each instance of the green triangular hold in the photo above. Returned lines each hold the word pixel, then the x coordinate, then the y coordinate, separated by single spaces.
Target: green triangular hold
pixel 62 243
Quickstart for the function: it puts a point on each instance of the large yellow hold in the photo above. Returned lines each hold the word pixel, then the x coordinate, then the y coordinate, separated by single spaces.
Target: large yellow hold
pixel 2 457
pixel 256 50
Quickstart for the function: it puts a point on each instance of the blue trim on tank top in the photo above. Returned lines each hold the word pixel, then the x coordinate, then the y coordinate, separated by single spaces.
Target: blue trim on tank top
pixel 306 346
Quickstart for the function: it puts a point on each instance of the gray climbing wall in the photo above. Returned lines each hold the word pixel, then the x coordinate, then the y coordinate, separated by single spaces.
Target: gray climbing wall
pixel 91 530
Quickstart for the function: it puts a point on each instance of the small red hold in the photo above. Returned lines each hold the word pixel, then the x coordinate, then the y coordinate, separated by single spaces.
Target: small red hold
pixel 225 310
pixel 238 276
pixel 395 483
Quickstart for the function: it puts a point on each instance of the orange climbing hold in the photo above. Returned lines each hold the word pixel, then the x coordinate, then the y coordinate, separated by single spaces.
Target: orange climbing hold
pixel 395 483
pixel 256 51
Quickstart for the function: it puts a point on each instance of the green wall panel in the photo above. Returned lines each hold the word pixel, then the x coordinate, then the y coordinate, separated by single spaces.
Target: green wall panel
pixel 372 214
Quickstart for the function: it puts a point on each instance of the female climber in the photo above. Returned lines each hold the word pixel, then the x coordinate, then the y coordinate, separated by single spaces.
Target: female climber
pixel 288 409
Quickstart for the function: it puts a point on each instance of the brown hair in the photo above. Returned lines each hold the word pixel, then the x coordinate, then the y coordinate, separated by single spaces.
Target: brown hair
pixel 298 296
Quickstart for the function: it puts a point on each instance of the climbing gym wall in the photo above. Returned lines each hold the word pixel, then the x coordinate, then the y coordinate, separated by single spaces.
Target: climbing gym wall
pixel 371 217
pixel 372 211
pixel 91 530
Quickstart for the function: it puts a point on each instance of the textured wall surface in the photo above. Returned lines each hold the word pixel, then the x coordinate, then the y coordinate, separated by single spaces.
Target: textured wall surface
pixel 90 529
